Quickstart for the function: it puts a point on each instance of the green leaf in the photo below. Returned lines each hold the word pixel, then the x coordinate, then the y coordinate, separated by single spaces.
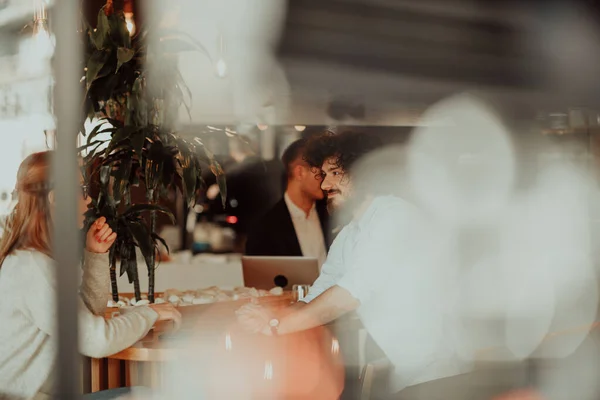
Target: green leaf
pixel 124 133
pixel 178 96
pixel 88 109
pixel 161 240
pixel 216 169
pixel 183 85
pixel 132 265
pixel 111 130
pixel 97 39
pixel 124 55
pixel 151 174
pixel 94 65
pixel 118 30
pixel 104 86
pixel 91 113
pixel 138 209
pixel 88 145
pixel 190 175
pixel 128 251
pixel 120 136
pixel 102 27
pixel 124 268
pixel 168 172
pixel 121 179
pixel 117 156
pixel 93 132
pixel 221 181
pixel 100 34
pixel 114 122
pixel 144 241
pixel 117 250
pixel 98 129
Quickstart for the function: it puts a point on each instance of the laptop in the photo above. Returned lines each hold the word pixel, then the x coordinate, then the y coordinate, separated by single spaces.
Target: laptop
pixel 285 272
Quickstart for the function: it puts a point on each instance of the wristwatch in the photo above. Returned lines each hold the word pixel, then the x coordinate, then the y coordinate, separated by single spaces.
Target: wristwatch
pixel 274 325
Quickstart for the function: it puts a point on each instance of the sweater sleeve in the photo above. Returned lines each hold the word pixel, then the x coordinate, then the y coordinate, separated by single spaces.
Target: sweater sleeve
pixel 95 285
pixel 100 337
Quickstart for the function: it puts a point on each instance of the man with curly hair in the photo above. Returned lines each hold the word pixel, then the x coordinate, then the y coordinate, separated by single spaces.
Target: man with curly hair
pixel 333 157
pixel 381 265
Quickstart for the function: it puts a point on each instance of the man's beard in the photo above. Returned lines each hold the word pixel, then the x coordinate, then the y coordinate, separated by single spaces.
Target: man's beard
pixel 340 211
pixel 331 206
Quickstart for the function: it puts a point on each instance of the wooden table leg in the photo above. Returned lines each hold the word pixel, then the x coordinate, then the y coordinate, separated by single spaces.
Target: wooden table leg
pixel 97 372
pixel 114 374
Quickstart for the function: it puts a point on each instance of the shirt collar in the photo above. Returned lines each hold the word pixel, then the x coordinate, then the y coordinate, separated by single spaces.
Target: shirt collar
pixel 295 211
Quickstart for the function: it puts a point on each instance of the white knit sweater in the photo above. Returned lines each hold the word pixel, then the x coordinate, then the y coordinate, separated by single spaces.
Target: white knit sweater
pixel 28 321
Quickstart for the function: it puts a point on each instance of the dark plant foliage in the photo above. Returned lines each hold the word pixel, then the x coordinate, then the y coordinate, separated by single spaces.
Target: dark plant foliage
pixel 136 90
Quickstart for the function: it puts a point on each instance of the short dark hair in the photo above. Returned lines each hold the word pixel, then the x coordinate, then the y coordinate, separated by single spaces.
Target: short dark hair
pixel 345 148
pixel 293 152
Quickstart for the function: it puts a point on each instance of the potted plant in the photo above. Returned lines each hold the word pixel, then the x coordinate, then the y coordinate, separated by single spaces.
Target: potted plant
pixel 139 110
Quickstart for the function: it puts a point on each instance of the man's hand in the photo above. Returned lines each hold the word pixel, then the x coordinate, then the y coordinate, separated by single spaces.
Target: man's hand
pixel 254 318
pixel 330 305
pixel 99 237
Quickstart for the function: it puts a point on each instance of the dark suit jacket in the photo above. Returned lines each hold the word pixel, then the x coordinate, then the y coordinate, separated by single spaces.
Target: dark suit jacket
pixel 274 234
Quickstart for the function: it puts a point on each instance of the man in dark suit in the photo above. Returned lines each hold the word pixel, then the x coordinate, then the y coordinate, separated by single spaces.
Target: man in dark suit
pixel 295 226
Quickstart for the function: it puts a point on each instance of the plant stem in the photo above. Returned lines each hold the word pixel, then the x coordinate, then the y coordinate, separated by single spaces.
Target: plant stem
pixel 134 272
pixel 113 282
pixel 136 286
pixel 153 265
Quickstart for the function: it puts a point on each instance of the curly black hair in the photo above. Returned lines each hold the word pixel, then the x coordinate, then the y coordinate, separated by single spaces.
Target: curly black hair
pixel 345 148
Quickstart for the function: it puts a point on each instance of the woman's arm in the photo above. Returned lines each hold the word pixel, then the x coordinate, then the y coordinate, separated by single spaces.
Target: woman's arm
pixel 100 337
pixel 95 284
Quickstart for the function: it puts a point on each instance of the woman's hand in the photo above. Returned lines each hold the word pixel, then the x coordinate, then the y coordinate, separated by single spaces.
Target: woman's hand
pixel 100 237
pixel 167 312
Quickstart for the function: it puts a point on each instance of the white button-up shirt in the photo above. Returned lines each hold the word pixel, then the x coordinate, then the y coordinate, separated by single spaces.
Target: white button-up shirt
pixel 385 260
pixel 308 231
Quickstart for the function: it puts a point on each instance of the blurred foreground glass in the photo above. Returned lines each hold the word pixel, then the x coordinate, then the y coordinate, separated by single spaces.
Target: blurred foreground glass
pixel 299 292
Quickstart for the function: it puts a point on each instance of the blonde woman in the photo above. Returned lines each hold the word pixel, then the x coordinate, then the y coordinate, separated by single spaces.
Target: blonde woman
pixel 28 285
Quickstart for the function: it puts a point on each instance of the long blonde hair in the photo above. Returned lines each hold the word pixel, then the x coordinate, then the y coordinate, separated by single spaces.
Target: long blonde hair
pixel 28 227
